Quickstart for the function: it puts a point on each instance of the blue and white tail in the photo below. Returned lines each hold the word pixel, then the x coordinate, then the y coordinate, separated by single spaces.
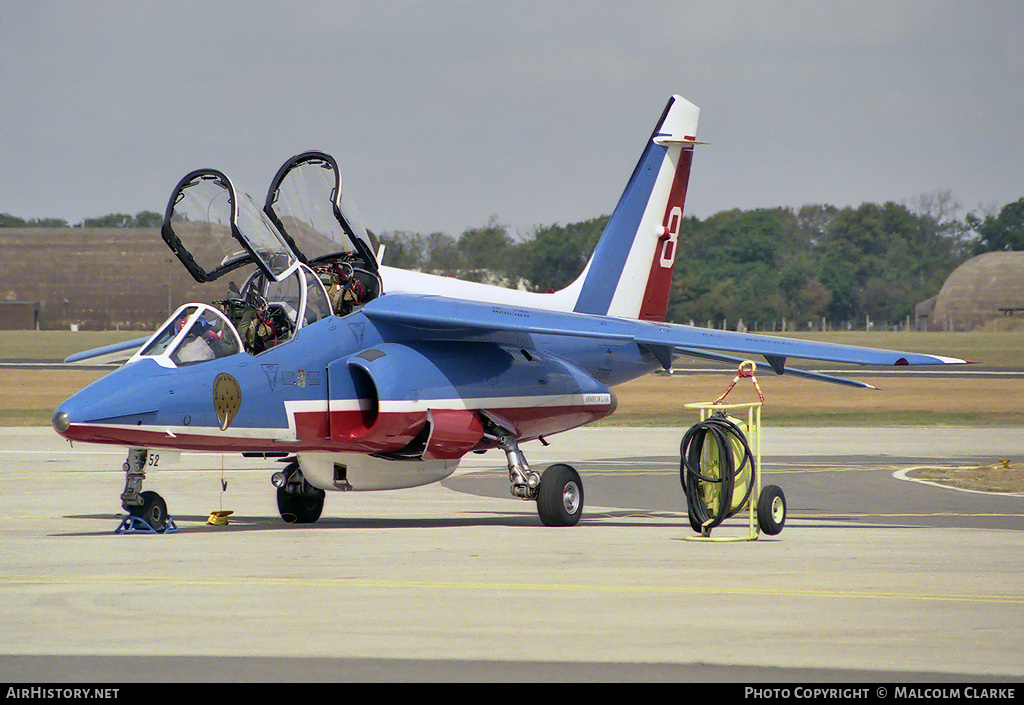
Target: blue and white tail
pixel 630 272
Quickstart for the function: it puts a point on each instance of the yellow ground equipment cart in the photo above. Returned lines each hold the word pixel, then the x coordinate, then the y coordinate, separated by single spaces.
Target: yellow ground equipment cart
pixel 720 471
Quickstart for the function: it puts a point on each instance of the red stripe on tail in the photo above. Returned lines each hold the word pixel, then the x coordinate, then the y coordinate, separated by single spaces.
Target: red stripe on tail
pixel 659 281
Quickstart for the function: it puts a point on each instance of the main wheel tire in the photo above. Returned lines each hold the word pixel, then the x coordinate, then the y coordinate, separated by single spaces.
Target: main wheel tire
pixel 771 510
pixel 560 496
pixel 300 508
pixel 153 511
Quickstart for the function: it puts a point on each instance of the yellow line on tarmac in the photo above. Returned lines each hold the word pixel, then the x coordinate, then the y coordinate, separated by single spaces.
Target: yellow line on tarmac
pixel 620 471
pixel 350 583
pixel 798 471
pixel 816 515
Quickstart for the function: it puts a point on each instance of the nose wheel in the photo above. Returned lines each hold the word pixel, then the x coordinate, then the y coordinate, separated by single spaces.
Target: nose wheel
pixel 153 511
pixel 298 502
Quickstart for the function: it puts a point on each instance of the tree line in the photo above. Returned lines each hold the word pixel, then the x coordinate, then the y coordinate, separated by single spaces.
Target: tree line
pixel 142 219
pixel 848 266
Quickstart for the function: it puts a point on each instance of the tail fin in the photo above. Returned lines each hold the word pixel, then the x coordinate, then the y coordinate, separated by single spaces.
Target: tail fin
pixel 630 273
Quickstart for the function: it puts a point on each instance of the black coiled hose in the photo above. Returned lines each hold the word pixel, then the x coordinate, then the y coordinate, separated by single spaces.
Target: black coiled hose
pixel 720 429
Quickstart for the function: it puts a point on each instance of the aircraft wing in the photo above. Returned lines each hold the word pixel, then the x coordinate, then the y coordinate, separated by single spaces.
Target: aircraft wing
pixel 108 354
pixel 459 319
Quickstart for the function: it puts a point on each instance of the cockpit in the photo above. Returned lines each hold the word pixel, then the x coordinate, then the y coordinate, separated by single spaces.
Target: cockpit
pixel 267 313
pixel 194 333
pixel 309 253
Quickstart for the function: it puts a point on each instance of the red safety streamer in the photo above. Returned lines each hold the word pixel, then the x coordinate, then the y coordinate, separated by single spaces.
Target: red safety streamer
pixel 746 369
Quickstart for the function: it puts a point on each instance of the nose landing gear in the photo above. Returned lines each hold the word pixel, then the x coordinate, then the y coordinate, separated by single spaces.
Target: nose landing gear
pixel 147 511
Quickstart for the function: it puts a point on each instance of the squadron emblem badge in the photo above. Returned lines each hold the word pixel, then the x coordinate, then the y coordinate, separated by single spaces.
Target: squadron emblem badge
pixel 227 398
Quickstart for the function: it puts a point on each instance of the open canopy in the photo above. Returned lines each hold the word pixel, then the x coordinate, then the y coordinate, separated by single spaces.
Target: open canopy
pixel 213 230
pixel 317 218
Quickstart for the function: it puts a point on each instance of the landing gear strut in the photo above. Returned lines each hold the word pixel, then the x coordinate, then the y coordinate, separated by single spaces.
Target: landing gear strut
pixel 558 491
pixel 147 511
pixel 525 482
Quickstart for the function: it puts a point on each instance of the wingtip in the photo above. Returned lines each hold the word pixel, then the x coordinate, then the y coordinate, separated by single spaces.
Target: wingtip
pixel 932 360
pixel 957 361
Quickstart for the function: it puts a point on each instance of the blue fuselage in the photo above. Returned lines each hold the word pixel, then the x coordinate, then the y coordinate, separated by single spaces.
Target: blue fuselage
pixel 350 384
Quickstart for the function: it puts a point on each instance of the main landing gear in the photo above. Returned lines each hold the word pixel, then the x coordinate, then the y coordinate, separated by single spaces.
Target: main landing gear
pixel 297 500
pixel 558 490
pixel 147 511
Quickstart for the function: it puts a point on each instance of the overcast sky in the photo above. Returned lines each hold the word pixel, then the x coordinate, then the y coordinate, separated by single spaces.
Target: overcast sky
pixel 443 114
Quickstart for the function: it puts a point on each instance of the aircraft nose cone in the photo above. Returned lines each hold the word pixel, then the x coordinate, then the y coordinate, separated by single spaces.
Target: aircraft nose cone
pixel 61 422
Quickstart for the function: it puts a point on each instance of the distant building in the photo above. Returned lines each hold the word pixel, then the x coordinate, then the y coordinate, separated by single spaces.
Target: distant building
pixel 94 278
pixel 19 315
pixel 924 312
pixel 983 292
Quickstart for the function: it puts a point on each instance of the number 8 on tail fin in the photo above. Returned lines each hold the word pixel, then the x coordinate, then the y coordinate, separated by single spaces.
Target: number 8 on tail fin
pixel 630 273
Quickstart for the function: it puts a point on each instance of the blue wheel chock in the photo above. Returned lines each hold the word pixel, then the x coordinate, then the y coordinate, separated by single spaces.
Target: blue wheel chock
pixel 137 525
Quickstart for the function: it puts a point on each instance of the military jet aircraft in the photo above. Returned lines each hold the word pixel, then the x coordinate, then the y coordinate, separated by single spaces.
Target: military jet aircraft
pixel 359 376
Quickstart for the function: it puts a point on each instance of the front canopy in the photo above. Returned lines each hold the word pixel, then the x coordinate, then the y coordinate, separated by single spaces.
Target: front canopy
pixel 194 333
pixel 214 230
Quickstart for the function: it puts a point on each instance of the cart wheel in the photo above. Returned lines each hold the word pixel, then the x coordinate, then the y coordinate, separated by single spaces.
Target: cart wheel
pixel 771 510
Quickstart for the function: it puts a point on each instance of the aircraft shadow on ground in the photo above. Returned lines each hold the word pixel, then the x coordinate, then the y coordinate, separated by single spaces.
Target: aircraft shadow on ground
pixel 192 524
pixel 624 518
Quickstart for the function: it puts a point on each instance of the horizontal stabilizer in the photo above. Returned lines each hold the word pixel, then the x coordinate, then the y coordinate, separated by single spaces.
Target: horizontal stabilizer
pixel 108 354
